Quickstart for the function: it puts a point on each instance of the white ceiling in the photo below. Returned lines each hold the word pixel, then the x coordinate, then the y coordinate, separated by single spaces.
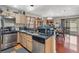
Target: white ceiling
pixel 50 10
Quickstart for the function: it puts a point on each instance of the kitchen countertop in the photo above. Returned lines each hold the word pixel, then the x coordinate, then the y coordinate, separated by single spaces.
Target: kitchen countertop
pixel 35 34
pixel 8 32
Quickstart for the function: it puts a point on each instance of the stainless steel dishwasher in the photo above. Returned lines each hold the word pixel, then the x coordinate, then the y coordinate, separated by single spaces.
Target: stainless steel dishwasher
pixel 38 45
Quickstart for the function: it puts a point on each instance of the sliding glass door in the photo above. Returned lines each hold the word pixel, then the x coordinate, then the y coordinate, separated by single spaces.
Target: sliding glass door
pixel 71 35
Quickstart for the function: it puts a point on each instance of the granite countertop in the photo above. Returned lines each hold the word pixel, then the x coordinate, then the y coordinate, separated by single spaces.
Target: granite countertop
pixel 35 34
pixel 9 32
pixel 26 32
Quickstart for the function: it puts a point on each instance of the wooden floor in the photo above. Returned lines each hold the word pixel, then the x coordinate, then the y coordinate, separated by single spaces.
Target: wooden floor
pixel 59 47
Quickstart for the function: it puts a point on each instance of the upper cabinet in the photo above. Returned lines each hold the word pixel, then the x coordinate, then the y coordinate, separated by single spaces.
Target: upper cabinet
pixel 49 21
pixel 38 22
pixel 20 19
pixel 9 13
pixel 33 22
pixel 30 22
pixel 23 19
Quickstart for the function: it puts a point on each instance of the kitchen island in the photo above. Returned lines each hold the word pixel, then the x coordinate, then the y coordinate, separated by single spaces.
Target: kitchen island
pixel 35 43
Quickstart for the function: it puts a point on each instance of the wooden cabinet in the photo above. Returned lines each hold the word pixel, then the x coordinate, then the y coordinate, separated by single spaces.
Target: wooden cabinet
pixel 38 22
pixel 30 22
pixel 48 22
pixel 23 19
pixel 33 22
pixel 20 19
pixel 6 13
pixel 18 37
pixel 43 45
pixel 35 46
pixel 49 45
pixel 26 41
pixel 23 40
pixel 9 13
pixel 29 45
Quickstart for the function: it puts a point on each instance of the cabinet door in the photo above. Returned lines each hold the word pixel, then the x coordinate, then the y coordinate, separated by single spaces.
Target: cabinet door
pixel 28 41
pixel 28 37
pixel 18 37
pixel 18 18
pixel 4 13
pixel 29 45
pixel 12 14
pixel 22 19
pixel 21 37
pixel 48 45
pixel 24 43
pixel 22 40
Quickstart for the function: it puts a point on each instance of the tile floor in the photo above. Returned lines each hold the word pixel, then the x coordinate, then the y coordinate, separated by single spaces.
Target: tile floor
pixel 16 49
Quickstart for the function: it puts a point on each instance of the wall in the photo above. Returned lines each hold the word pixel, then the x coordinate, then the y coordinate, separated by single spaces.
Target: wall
pixel 57 22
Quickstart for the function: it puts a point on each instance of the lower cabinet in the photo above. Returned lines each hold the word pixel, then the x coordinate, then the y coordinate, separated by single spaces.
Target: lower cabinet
pixel 18 37
pixel 41 45
pixel 26 41
pixel 23 42
pixel 36 45
pixel 29 45
pixel 49 45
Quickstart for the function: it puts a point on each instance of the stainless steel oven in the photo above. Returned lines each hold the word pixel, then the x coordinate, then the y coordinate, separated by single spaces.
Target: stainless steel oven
pixel 9 40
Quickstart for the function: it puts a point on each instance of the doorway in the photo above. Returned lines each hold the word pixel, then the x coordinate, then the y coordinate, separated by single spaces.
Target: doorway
pixel 70 39
pixel 60 38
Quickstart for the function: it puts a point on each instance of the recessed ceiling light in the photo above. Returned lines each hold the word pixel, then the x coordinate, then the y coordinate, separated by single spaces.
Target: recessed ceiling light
pixel 15 5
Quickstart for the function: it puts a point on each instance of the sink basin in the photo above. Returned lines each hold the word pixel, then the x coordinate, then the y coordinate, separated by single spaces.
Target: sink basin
pixel 23 31
pixel 35 34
